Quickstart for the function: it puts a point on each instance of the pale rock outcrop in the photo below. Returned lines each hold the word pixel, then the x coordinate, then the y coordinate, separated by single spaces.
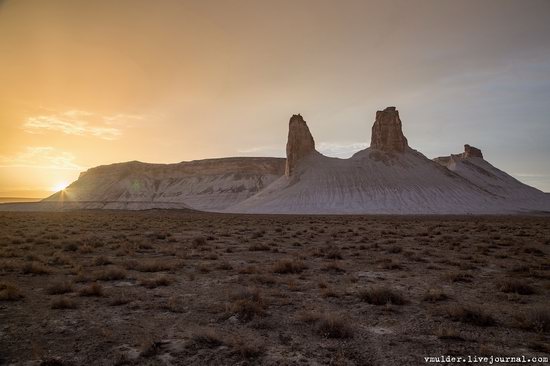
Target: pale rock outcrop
pixel 300 143
pixel 387 133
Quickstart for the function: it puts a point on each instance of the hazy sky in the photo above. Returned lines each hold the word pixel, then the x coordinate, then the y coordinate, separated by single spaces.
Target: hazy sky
pixel 84 83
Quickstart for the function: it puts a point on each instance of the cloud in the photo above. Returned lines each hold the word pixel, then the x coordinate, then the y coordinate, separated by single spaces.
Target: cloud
pixel 341 149
pixel 45 157
pixel 268 150
pixel 79 123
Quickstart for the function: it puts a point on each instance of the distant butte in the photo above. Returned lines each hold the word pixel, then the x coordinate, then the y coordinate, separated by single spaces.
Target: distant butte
pixel 389 177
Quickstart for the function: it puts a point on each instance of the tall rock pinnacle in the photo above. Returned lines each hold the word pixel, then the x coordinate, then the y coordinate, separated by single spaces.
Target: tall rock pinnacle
pixel 387 134
pixel 471 152
pixel 300 143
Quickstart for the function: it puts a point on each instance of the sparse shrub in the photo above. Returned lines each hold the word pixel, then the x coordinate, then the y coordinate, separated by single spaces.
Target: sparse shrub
pixel 64 303
pixel 516 286
pixel 110 274
pixel 258 234
pixel 225 266
pixel 247 303
pixel 151 265
pixel 156 282
pixel 248 270
pixel 258 247
pixel 203 268
pixel 207 338
pixel 93 290
pixel 329 292
pixel 447 333
pixel 120 299
pixel 534 251
pixel 264 279
pixel 381 295
pixel 392 265
pixel 328 325
pixel 198 241
pixel 70 247
pixel 60 287
pixel 151 349
pixel 175 304
pixel 309 316
pixel 435 295
pixel 395 249
pixel 535 319
pixel 334 253
pixel 333 267
pixel 470 314
pixel 246 348
pixel 35 268
pixel 289 266
pixel 85 249
pixel 458 277
pixel 101 260
pixel 9 292
pixel 60 259
pixel 52 361
pixel 334 326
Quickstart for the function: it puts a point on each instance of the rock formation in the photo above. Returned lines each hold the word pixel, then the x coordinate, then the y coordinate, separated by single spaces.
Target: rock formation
pixel 300 143
pixel 471 152
pixel 387 178
pixel 387 134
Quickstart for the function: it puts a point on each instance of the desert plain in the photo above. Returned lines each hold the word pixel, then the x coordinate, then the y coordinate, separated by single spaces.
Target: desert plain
pixel 168 287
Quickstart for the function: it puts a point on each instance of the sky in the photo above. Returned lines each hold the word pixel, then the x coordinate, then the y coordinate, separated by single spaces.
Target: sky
pixel 86 83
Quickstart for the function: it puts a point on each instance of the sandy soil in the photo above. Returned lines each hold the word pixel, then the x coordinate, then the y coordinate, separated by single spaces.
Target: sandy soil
pixel 179 288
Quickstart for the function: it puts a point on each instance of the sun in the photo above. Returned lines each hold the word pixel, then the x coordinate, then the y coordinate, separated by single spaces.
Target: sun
pixel 60 186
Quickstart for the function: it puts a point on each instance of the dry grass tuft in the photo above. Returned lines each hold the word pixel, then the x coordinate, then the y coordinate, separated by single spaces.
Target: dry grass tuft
pixel 328 325
pixel 247 303
pixel 470 315
pixel 9 292
pixel 175 304
pixel 93 290
pixel 110 274
pixel 334 326
pixel 64 303
pixel 448 333
pixel 435 295
pixel 60 287
pixel 535 319
pixel 35 268
pixel 101 261
pixel 247 348
pixel 519 287
pixel 207 338
pixel 382 295
pixel 286 266
pixel 198 241
pixel 150 265
pixel 156 282
pixel 458 277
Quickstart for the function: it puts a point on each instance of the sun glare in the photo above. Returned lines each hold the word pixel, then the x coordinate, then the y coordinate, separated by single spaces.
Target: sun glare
pixel 60 186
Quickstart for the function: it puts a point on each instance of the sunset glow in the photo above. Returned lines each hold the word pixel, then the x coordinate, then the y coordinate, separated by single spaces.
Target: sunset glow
pixel 60 186
pixel 91 83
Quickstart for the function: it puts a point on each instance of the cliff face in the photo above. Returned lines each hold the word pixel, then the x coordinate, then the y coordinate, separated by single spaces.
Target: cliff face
pixel 212 184
pixel 387 134
pixel 300 143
